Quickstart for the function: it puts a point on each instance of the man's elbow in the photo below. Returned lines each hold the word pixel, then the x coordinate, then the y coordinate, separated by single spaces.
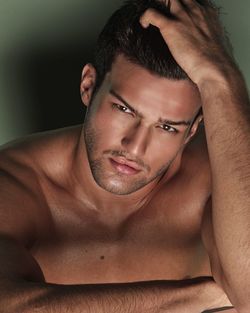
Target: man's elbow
pixel 243 308
pixel 240 300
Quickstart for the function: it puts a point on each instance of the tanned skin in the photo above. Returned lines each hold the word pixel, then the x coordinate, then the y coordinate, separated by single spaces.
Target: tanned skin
pixel 82 232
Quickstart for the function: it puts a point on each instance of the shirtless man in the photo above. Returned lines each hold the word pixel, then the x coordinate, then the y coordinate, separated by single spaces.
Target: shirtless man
pixel 117 215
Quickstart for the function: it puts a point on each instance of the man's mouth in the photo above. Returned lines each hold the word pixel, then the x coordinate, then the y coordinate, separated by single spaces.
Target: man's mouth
pixel 124 166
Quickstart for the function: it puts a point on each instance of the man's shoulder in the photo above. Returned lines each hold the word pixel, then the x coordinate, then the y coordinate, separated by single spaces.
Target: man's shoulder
pixel 23 164
pixel 196 159
pixel 181 201
pixel 195 164
pixel 38 150
pixel 193 178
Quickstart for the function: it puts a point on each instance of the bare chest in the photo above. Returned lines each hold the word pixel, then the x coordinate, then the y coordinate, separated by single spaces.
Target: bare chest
pixel 160 242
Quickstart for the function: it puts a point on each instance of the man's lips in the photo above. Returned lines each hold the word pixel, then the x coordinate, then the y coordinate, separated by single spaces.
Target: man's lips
pixel 124 166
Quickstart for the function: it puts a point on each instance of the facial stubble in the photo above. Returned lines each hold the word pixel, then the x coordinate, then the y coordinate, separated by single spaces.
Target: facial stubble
pixel 116 183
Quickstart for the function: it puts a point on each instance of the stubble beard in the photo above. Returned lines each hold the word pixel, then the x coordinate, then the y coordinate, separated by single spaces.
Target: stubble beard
pixel 116 183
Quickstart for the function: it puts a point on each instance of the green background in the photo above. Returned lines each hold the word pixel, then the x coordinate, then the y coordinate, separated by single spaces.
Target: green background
pixel 43 47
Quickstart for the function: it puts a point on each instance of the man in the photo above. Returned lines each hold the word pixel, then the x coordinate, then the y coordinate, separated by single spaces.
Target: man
pixel 129 213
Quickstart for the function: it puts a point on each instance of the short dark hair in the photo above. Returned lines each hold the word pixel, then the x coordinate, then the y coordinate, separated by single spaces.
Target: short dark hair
pixel 123 34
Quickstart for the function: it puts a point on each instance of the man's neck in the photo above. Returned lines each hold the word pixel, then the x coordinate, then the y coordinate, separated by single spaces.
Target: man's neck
pixel 109 205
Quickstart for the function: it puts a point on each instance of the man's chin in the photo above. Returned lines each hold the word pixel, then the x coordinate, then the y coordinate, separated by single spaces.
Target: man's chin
pixel 118 188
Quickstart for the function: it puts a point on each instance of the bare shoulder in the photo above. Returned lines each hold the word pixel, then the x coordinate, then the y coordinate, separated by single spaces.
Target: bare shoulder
pixel 182 199
pixel 23 206
pixel 18 202
pixel 195 157
pixel 33 150
pixel 195 172
pixel 194 169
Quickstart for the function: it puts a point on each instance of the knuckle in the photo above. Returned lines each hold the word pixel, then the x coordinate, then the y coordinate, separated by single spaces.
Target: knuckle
pixel 153 13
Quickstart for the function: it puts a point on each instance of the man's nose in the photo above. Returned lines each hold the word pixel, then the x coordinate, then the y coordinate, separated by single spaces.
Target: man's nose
pixel 136 140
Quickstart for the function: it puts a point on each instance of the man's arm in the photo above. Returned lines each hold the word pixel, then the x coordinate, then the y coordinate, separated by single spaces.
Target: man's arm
pixel 23 288
pixel 194 38
pixel 227 118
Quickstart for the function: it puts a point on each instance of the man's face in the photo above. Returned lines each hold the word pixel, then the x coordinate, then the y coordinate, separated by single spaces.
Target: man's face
pixel 136 126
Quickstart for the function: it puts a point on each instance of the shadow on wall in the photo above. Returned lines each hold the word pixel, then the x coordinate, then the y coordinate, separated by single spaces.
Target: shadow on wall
pixel 45 83
pixel 43 47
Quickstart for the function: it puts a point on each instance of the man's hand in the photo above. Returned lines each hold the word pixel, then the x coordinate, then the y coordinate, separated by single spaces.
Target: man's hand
pixel 194 36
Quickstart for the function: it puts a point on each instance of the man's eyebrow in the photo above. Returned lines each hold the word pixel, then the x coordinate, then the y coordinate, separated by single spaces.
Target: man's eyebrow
pixel 161 120
pixel 175 123
pixel 113 93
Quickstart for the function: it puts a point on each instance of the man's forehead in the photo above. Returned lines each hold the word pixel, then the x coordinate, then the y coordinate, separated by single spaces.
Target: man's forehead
pixel 161 118
pixel 127 75
pixel 124 70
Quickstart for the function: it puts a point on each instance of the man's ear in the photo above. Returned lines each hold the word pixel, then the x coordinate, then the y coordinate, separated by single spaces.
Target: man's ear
pixel 194 128
pixel 88 82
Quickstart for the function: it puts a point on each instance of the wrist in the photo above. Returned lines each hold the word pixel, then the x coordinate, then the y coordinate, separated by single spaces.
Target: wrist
pixel 229 84
pixel 219 77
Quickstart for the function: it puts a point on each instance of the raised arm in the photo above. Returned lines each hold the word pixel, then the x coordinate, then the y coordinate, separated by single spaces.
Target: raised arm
pixel 195 39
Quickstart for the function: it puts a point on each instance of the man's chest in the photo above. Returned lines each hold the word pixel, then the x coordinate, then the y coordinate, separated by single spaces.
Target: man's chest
pixel 160 242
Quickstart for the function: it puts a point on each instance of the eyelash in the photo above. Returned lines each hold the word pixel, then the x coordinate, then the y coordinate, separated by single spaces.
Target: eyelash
pixel 121 107
pixel 170 129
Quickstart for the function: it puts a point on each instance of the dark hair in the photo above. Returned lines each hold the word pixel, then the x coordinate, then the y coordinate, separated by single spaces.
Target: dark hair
pixel 123 34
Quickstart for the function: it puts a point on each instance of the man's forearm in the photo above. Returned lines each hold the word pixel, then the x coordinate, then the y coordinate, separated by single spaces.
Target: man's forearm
pixel 227 122
pixel 187 296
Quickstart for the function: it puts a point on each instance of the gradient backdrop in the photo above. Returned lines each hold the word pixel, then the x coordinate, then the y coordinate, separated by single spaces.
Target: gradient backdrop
pixel 43 47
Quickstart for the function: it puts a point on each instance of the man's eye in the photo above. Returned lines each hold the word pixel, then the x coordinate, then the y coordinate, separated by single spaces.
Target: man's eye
pixel 122 108
pixel 169 129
